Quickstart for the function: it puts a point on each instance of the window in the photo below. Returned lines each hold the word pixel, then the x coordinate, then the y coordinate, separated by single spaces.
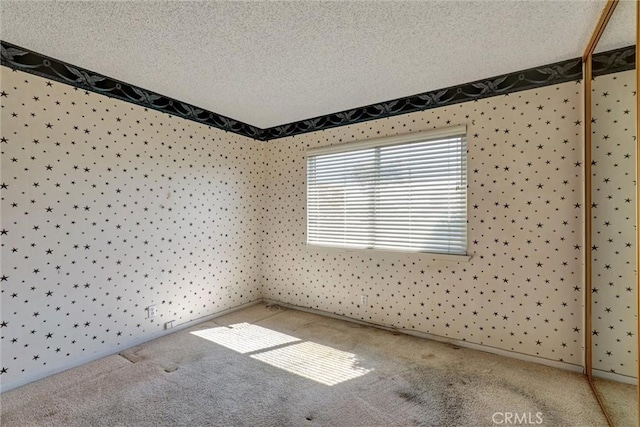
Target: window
pixel 406 193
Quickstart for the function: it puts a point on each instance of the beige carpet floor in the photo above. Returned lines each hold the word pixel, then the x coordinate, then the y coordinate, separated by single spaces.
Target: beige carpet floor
pixel 620 400
pixel 258 367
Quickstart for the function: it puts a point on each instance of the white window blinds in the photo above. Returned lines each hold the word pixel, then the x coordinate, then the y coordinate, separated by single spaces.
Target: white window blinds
pixel 403 193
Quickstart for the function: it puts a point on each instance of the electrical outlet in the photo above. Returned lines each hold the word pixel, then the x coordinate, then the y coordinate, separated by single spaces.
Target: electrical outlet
pixel 152 311
pixel 363 300
pixel 169 324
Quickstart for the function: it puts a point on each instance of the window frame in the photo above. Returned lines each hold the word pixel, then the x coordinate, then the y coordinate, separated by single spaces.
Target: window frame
pixel 451 131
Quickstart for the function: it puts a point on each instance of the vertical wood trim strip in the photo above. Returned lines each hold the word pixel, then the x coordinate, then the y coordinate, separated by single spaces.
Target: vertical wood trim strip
pixel 587 59
pixel 637 204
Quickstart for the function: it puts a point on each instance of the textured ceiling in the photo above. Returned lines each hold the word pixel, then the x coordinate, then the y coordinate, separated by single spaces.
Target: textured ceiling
pixel 270 63
pixel 621 29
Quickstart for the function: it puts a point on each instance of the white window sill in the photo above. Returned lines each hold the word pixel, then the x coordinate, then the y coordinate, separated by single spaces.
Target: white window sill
pixel 428 255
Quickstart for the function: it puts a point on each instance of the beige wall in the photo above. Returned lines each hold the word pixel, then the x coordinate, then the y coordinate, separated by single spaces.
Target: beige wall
pixel 614 219
pixel 523 289
pixel 108 208
pixel 196 220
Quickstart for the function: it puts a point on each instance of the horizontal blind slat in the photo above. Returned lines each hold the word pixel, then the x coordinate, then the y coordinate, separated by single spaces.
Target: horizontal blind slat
pixel 407 196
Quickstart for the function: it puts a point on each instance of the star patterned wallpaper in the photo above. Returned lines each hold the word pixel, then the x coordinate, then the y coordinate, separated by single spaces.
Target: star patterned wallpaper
pixel 107 208
pixel 522 291
pixel 614 322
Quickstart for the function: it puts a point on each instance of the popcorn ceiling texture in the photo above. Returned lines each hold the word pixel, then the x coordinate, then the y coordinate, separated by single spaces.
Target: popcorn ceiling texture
pixel 621 29
pixel 270 63
pixel 523 289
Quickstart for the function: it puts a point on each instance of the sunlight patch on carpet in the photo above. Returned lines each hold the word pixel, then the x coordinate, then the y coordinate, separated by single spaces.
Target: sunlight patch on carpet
pixel 316 362
pixel 245 337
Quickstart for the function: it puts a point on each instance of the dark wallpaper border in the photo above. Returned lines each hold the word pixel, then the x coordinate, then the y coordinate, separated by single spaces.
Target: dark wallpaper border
pixel 570 70
pixel 614 61
pixel 19 58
